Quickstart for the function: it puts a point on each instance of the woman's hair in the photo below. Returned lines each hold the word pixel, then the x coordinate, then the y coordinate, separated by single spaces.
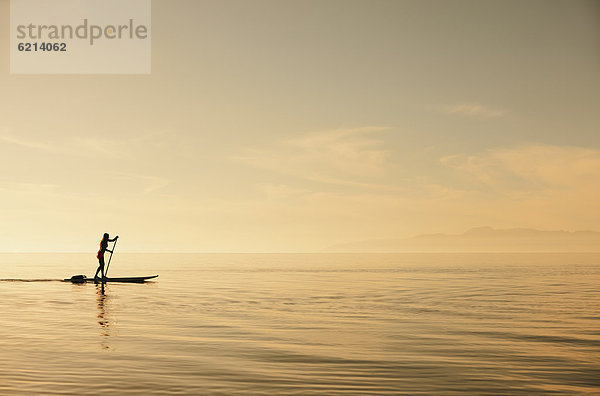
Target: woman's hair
pixel 105 235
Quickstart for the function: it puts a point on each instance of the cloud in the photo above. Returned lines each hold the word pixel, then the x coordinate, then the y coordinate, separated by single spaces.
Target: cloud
pixel 341 156
pixel 34 144
pixel 534 166
pixel 154 183
pixel 553 166
pixel 277 192
pixel 77 146
pixel 29 188
pixel 149 183
pixel 534 185
pixel 473 110
pixel 97 147
pixel 136 143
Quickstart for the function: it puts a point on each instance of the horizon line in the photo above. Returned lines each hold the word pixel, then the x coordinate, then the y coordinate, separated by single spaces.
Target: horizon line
pixel 330 252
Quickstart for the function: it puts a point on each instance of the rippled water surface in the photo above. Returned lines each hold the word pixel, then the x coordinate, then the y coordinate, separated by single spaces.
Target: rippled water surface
pixel 435 324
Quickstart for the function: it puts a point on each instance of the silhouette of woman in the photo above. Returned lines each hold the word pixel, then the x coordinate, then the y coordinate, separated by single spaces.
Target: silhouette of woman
pixel 100 255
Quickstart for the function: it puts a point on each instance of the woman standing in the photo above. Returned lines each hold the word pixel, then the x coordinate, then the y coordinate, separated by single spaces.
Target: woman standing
pixel 100 255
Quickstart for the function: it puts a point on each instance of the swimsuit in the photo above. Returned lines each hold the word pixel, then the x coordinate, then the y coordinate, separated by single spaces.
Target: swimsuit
pixel 102 249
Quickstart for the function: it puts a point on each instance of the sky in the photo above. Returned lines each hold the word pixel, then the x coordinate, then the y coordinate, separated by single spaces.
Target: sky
pixel 291 126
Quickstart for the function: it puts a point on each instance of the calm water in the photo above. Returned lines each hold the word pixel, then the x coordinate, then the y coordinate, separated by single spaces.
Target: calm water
pixel 305 324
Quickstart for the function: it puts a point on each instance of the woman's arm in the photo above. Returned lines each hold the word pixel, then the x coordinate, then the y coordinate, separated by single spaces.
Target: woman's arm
pixel 114 239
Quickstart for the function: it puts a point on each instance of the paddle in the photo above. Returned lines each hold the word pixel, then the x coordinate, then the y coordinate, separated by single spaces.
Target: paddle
pixel 110 258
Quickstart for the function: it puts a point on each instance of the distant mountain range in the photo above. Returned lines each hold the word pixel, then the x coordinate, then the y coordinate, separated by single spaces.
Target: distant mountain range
pixel 483 239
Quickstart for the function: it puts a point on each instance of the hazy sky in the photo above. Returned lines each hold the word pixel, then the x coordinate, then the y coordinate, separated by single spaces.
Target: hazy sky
pixel 295 125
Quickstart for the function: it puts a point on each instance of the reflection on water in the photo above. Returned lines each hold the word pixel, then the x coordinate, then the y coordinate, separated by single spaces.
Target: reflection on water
pixel 30 280
pixel 103 317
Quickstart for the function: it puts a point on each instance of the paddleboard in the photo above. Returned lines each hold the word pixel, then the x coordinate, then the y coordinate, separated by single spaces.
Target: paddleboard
pixel 130 279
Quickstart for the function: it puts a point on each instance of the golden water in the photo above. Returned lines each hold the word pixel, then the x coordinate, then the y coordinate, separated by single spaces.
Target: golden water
pixel 435 324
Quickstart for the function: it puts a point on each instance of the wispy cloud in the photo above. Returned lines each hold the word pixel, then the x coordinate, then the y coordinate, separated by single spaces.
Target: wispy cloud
pixel 94 146
pixel 154 183
pixel 97 147
pixel 121 147
pixel 534 185
pixel 357 184
pixel 535 166
pixel 341 156
pixel 277 192
pixel 473 110
pixel 30 188
pixel 149 183
pixel 7 137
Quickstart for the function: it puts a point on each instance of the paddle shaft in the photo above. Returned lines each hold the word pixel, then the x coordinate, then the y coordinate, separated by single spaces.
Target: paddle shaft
pixel 110 258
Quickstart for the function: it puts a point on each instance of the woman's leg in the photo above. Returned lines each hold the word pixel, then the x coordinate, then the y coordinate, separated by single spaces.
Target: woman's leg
pixel 100 266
